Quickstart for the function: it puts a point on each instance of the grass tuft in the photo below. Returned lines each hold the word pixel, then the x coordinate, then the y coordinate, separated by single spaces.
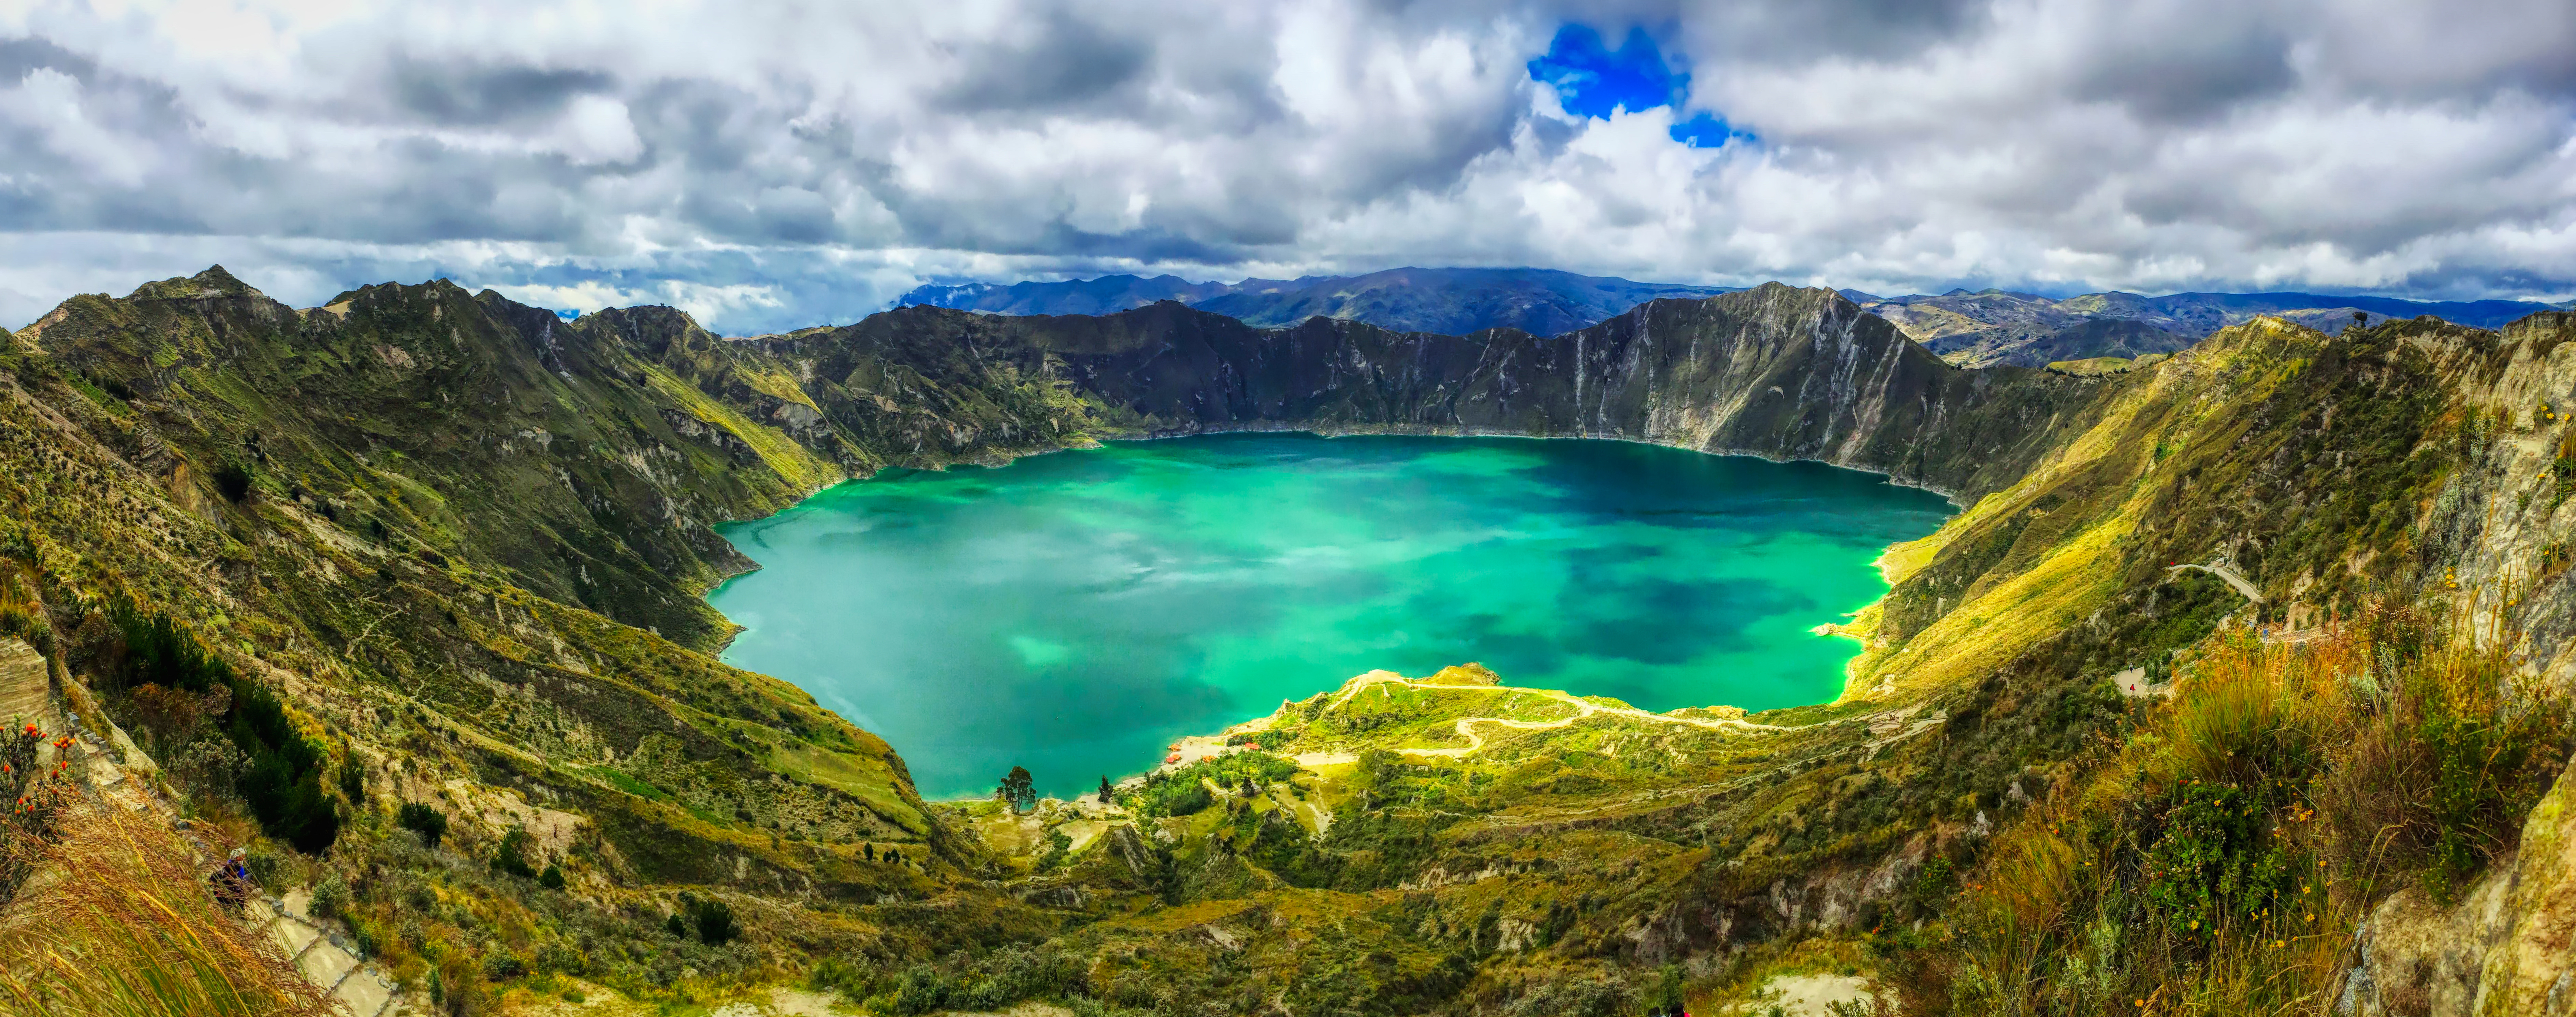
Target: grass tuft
pixel 118 924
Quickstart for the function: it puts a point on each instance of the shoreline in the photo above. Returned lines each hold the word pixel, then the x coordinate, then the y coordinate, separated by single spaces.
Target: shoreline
pixel 1841 629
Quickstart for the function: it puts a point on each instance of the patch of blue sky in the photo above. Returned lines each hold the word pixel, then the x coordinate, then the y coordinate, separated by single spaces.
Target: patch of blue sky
pixel 1594 79
pixel 1707 130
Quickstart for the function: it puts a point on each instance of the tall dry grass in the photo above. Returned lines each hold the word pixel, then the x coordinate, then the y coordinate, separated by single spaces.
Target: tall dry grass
pixel 2217 862
pixel 118 922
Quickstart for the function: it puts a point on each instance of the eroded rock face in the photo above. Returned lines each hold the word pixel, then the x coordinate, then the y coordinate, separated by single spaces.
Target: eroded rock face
pixel 2506 949
pixel 1774 371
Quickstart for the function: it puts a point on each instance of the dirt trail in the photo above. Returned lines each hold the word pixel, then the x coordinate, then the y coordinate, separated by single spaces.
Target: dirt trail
pixel 2228 573
pixel 1583 708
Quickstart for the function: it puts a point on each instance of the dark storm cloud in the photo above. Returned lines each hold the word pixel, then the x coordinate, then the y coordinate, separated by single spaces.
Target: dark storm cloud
pixel 2188 75
pixel 482 95
pixel 1052 61
pixel 21 55
pixel 1799 32
pixel 775 165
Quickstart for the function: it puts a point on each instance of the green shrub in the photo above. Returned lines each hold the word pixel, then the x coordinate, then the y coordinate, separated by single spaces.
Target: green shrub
pixel 330 895
pixel 234 481
pixel 502 965
pixel 1265 740
pixel 281 778
pixel 1058 845
pixel 2488 768
pixel 2213 862
pixel 920 990
pixel 424 820
pixel 510 857
pixel 1184 792
pixel 283 781
pixel 715 922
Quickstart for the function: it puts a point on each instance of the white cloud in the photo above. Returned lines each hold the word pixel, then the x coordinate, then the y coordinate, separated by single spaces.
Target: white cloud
pixel 777 164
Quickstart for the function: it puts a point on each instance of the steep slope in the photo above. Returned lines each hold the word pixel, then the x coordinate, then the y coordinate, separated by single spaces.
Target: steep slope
pixel 1774 371
pixel 1449 300
pixel 440 529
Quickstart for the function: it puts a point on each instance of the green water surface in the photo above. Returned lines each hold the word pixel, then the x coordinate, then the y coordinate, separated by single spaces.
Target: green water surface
pixel 1074 612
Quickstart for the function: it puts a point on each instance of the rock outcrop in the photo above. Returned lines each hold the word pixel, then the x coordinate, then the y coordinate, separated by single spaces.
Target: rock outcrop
pixel 2507 948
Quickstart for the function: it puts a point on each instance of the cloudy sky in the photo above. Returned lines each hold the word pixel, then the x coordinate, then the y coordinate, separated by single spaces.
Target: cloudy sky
pixel 770 165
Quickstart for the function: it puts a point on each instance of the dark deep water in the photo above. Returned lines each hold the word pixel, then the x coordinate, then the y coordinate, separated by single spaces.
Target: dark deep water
pixel 1074 612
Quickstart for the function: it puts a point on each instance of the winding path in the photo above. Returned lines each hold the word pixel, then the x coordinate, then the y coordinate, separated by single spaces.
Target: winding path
pixel 1583 709
pixel 2228 573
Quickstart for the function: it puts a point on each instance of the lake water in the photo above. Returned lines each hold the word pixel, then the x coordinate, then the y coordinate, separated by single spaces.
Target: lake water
pixel 1074 612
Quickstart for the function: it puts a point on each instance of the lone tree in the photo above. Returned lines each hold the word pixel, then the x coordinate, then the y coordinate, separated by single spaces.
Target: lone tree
pixel 1019 790
pixel 1104 789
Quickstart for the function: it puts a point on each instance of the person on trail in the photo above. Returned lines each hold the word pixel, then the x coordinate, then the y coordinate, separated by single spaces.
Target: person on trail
pixel 232 881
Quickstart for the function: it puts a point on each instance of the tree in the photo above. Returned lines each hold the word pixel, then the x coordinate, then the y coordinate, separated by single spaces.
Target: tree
pixel 1104 789
pixel 716 925
pixel 511 855
pixel 419 818
pixel 1019 790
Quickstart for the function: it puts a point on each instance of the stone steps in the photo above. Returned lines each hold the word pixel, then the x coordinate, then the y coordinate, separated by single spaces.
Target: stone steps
pixel 330 966
pixel 26 696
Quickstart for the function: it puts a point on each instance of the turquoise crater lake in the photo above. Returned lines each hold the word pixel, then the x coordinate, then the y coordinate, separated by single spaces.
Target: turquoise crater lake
pixel 1074 612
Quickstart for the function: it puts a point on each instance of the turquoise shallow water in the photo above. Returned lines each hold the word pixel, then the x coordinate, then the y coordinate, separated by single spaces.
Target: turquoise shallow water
pixel 1074 612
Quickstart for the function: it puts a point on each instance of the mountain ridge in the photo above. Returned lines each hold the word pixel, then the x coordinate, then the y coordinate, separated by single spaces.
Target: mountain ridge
pixel 1453 301
pixel 1972 328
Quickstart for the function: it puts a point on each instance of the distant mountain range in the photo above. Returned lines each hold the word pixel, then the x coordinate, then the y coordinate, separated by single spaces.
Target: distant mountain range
pixel 1976 329
pixel 2002 327
pixel 1449 301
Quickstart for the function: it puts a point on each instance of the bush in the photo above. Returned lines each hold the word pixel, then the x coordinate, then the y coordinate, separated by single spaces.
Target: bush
pixel 2461 726
pixel 2224 854
pixel 715 923
pixel 502 965
pixel 283 781
pixel 511 855
pixel 234 481
pixel 1184 792
pixel 330 895
pixel 2213 863
pixel 280 777
pixel 552 878
pixel 711 919
pixel 353 781
pixel 424 820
